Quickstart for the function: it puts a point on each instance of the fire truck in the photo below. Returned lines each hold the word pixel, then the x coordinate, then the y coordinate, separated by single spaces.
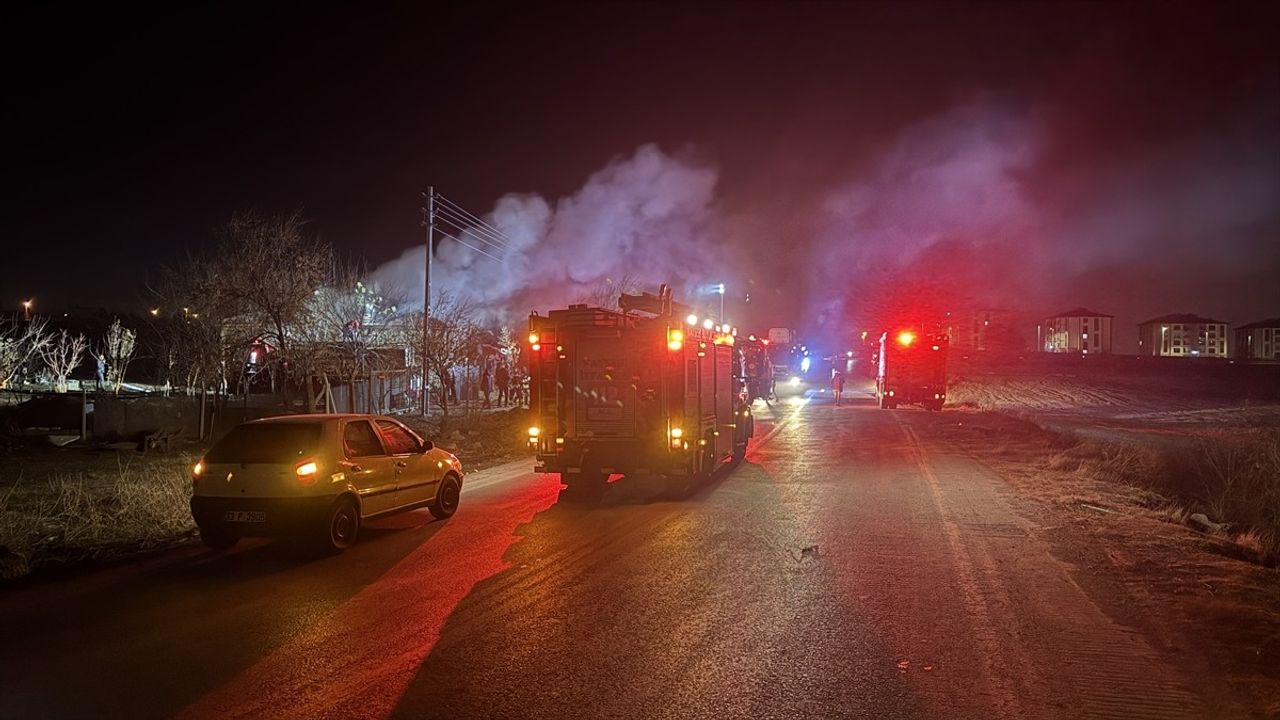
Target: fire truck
pixel 650 389
pixel 912 369
pixel 757 368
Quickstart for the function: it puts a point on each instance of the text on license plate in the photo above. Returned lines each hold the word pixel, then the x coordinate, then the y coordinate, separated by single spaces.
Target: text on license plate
pixel 244 516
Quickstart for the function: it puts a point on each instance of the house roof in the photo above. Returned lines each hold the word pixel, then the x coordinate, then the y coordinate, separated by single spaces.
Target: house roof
pixel 1183 318
pixel 1080 312
pixel 1268 323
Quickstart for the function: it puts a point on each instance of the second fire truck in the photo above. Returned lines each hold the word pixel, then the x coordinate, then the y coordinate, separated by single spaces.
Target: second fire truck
pixel 912 369
pixel 647 389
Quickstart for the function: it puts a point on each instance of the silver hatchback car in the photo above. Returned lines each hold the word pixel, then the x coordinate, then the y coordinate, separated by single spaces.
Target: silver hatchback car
pixel 318 477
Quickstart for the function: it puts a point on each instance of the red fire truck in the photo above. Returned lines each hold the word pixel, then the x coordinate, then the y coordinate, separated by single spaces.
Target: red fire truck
pixel 650 389
pixel 912 369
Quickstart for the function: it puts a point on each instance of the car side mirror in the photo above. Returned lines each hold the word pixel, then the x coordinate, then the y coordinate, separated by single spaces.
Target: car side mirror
pixel 427 445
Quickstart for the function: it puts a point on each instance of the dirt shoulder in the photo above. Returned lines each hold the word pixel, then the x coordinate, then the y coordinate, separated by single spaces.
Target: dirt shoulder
pixel 479 439
pixel 1191 593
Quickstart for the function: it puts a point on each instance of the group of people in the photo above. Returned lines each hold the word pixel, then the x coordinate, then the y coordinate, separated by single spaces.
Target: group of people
pixel 505 379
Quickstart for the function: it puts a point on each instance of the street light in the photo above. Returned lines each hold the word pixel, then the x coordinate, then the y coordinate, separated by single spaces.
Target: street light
pixel 26 309
pixel 720 289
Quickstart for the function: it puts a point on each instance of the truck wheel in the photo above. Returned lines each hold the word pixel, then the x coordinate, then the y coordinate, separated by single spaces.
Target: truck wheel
pixel 708 461
pixel 739 453
pixel 584 487
pixel 679 487
pixel 217 538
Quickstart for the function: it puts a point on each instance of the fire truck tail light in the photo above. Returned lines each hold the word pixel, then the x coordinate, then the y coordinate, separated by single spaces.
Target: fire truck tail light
pixel 534 339
pixel 534 431
pixel 905 338
pixel 675 339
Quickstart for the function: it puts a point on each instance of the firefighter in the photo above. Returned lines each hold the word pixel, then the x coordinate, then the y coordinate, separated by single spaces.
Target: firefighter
pixel 837 384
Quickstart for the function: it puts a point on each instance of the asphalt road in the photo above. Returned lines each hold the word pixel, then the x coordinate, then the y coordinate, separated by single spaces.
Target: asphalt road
pixel 854 566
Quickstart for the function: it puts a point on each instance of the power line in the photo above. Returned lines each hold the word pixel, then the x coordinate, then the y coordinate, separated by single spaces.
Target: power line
pixel 468 214
pixel 481 223
pixel 464 226
pixel 466 244
pixel 464 230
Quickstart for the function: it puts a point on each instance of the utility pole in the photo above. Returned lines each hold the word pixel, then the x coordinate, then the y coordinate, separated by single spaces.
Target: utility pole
pixel 429 222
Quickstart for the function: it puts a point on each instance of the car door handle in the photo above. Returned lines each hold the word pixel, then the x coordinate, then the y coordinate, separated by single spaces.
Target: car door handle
pixel 355 468
pixel 401 464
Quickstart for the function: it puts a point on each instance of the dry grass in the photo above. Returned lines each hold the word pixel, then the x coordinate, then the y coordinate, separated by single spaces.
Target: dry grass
pixel 1231 477
pixel 77 515
pixel 479 439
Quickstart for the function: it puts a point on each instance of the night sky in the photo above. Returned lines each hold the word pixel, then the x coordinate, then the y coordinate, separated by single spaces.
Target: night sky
pixel 1044 156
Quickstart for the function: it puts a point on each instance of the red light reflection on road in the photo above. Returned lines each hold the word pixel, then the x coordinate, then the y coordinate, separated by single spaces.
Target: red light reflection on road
pixel 358 660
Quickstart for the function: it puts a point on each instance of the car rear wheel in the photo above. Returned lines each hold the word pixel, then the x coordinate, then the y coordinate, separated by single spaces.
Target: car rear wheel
pixel 343 527
pixel 447 496
pixel 217 538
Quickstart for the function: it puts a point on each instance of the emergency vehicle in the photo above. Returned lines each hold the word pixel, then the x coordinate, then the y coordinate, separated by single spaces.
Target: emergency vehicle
pixel 912 369
pixel 651 389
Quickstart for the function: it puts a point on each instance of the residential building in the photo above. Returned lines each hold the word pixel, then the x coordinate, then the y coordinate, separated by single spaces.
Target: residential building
pixel 1259 340
pixel 1078 330
pixel 988 329
pixel 1182 335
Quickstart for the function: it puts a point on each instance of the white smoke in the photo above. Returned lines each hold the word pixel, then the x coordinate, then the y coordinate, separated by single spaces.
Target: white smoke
pixel 649 215
pixel 951 179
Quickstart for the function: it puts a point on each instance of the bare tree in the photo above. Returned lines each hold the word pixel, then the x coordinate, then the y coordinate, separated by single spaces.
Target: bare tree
pixel 351 329
pixel 191 326
pixel 62 356
pixel 116 351
pixel 513 350
pixel 452 330
pixel 605 291
pixel 266 272
pixel 20 343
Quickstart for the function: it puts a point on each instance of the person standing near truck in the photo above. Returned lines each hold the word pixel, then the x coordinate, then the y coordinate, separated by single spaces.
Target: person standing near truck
pixel 837 384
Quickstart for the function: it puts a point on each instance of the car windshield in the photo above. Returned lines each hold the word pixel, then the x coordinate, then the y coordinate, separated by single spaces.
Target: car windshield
pixel 266 443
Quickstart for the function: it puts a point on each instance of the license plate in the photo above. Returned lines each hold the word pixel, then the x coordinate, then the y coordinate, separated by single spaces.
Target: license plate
pixel 244 516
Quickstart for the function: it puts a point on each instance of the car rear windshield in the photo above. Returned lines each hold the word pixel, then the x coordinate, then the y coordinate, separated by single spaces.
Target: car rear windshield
pixel 266 443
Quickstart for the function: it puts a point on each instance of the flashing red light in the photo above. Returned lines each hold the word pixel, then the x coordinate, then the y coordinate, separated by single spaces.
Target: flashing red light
pixel 905 338
pixel 764 341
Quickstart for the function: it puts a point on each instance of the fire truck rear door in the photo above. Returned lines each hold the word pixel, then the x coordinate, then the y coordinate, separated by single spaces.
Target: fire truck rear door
pixel 604 395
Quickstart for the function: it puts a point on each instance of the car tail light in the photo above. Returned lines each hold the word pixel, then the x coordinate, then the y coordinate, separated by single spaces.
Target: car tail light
pixel 306 473
pixel 196 472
